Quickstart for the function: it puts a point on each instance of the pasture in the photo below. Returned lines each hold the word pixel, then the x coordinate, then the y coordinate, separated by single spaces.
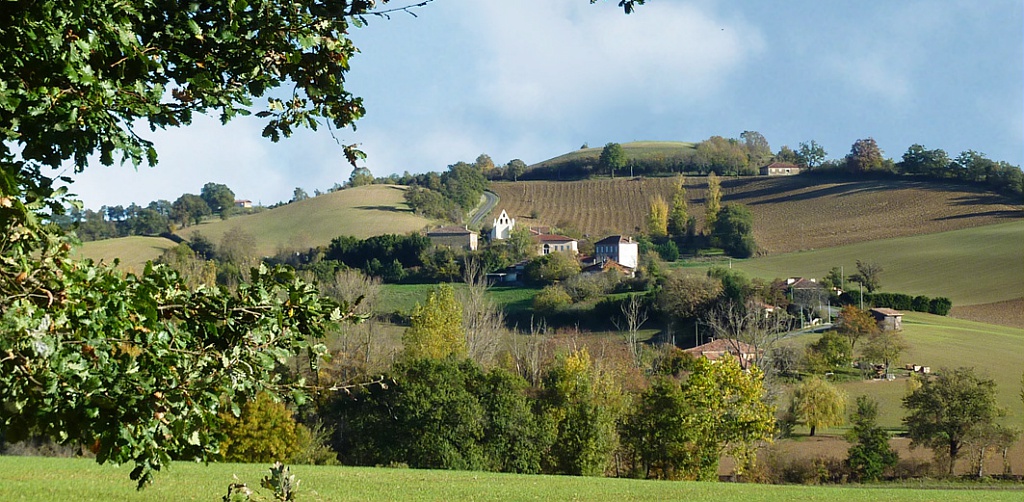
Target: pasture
pixel 133 251
pixel 45 479
pixel 970 266
pixel 362 212
pixel 662 151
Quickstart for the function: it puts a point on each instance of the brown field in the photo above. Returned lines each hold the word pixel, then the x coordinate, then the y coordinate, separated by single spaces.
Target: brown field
pixel 790 214
pixel 1007 313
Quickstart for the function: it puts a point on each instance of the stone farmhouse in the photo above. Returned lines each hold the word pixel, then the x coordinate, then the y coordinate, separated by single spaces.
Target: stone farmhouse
pixel 780 169
pixel 454 237
pixel 552 243
pixel 620 249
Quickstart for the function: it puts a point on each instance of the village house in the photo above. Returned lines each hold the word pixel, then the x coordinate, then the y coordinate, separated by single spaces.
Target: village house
pixel 454 237
pixel 780 169
pixel 243 203
pixel 551 243
pixel 716 349
pixel 620 249
pixel 502 227
pixel 888 319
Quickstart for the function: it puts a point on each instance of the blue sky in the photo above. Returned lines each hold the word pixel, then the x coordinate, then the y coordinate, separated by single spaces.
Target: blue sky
pixel 532 79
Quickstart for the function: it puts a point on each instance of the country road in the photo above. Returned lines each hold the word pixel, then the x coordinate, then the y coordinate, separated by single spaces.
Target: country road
pixel 487 203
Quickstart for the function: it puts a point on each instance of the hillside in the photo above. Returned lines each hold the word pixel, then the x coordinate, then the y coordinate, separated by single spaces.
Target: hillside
pixel 638 153
pixel 362 212
pixel 790 214
pixel 133 251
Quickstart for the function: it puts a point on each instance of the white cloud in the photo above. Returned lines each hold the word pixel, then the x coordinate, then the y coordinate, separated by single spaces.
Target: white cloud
pixel 556 60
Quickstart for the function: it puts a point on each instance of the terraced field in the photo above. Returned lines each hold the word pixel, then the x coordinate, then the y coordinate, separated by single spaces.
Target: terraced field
pixel 790 214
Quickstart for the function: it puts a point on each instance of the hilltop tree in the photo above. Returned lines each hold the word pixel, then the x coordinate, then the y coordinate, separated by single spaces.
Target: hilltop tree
pixel 514 169
pixel 678 215
pixel 361 176
pixel 817 403
pixel 219 197
pixel 918 160
pixel 612 158
pixel 657 218
pixel 865 156
pixel 947 409
pixel 786 154
pixel 810 155
pixel 713 202
pixel 484 163
pixel 759 153
pixel 189 209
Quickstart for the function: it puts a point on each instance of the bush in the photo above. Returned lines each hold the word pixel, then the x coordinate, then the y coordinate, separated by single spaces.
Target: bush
pixel 264 431
pixel 668 251
pixel 551 299
pixel 940 306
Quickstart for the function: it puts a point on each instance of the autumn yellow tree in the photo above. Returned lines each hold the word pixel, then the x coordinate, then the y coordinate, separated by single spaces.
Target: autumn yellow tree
pixel 714 202
pixel 817 403
pixel 435 331
pixel 657 218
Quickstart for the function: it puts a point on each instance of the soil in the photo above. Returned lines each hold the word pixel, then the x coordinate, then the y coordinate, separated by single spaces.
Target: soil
pixel 1008 313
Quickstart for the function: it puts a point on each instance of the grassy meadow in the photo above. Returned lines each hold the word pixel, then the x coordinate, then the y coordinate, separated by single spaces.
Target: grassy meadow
pixel 636 150
pixel 969 266
pixel 133 251
pixel 362 212
pixel 942 342
pixel 45 479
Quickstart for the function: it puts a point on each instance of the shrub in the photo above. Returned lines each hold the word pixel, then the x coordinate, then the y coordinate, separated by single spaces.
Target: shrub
pixel 264 431
pixel 940 306
pixel 551 299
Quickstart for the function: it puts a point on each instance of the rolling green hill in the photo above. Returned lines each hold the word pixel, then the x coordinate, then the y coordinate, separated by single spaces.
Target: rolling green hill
pixel 363 212
pixel 969 266
pixel 638 151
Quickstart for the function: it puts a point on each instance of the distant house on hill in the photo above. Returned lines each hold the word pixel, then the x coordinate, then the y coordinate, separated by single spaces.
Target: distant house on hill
pixel 620 249
pixel 551 243
pixel 888 319
pixel 454 237
pixel 780 169
pixel 717 349
pixel 244 203
pixel 503 226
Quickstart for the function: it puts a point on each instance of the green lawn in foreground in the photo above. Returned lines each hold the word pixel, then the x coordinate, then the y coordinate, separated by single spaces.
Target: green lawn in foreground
pixel 936 341
pixel 970 266
pixel 46 479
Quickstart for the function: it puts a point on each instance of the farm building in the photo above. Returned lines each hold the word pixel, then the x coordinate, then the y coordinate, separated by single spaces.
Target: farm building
pixel 888 319
pixel 503 226
pixel 551 243
pixel 780 169
pixel 245 203
pixel 454 237
pixel 620 249
pixel 716 349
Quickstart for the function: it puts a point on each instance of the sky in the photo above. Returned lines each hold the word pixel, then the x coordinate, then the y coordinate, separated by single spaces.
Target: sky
pixel 533 79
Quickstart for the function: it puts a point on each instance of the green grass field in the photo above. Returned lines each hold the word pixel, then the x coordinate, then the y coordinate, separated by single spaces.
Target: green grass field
pixel 404 297
pixel 942 342
pixel 46 479
pixel 133 251
pixel 362 212
pixel 970 266
pixel 638 150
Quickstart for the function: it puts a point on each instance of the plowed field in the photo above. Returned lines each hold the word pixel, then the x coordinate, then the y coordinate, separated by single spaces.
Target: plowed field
pixel 790 214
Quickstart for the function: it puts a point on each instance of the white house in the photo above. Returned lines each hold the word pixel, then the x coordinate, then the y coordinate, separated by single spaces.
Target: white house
pixel 550 243
pixel 502 228
pixel 620 249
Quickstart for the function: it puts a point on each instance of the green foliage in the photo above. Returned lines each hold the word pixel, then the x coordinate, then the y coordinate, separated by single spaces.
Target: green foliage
pixel 360 176
pixel 668 251
pixel 868 275
pixel 947 408
pixel 831 351
pixel 218 197
pixel 581 405
pixel 730 415
pixel 552 267
pixel 727 157
pixel 870 454
pixel 612 158
pixel 189 209
pixel 684 296
pixel 940 306
pixel 810 155
pixel 514 169
pixel 435 330
pixel 678 216
pixel 817 403
pixel 734 231
pixel 713 202
pixel 884 346
pixel 654 432
pixel 865 156
pixel 551 299
pixel 264 431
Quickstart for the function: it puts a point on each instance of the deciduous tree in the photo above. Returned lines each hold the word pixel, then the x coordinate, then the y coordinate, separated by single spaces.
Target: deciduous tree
pixel 218 196
pixel 657 217
pixel 947 409
pixel 734 231
pixel 713 202
pixel 678 215
pixel 612 158
pixel 884 346
pixel 869 274
pixel 855 324
pixel 810 155
pixel 817 403
pixel 865 156
pixel 435 329
pixel 870 454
